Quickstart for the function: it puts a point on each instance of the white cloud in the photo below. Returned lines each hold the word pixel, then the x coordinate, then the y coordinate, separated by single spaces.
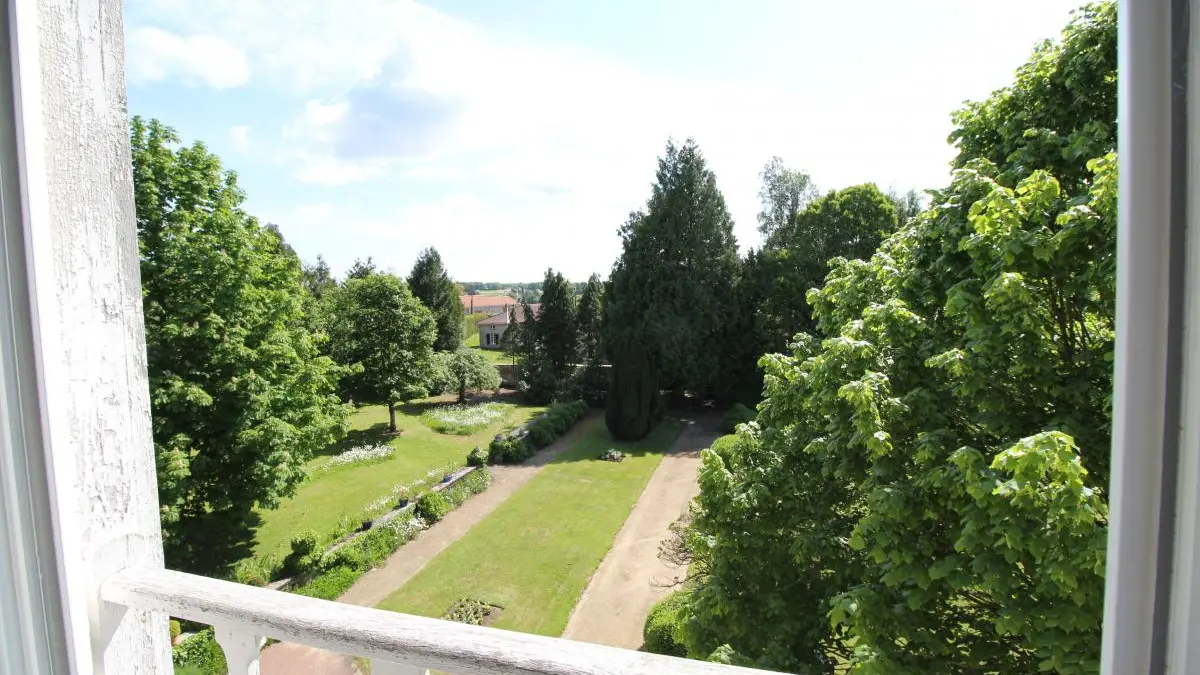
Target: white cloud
pixel 241 137
pixel 154 55
pixel 330 171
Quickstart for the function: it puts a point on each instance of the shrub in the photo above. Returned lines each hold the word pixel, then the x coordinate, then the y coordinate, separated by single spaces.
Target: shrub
pixel 175 629
pixel 304 555
pixel 737 414
pixel 541 434
pixel 612 455
pixel 469 610
pixel 663 632
pixel 724 446
pixel 200 654
pixel 470 484
pixel 330 584
pixel 477 457
pixel 432 507
pixel 255 571
pixel 508 449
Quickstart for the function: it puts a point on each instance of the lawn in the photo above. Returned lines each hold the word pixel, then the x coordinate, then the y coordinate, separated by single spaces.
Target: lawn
pixel 335 492
pixel 534 554
pixel 497 357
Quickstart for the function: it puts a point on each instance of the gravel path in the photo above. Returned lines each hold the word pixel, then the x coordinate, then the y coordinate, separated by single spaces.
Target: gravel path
pixel 285 658
pixel 632 578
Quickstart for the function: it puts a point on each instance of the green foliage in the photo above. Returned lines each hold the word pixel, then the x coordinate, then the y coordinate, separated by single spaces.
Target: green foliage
pixel 848 223
pixel 784 194
pixel 477 457
pixel 470 611
pixel 431 284
pixel 330 584
pixel 553 423
pixel 387 334
pixel 200 654
pixel 255 570
pixel 462 370
pixel 546 345
pixel 593 381
pixel 304 556
pixel 175 629
pixel 240 396
pixel 737 414
pixel 663 631
pixel 924 491
pixel 432 507
pixel 509 449
pixel 670 302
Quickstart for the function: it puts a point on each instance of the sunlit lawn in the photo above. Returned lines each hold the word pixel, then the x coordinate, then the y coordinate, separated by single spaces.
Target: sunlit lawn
pixel 535 553
pixel 321 502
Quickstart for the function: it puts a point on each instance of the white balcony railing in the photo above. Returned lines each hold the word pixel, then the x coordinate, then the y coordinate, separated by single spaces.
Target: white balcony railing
pixel 244 616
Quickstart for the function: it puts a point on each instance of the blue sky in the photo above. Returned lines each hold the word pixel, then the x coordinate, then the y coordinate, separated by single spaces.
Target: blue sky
pixel 516 135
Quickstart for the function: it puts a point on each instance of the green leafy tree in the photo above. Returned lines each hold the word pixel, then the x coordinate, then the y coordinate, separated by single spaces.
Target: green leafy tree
pixel 512 340
pixel 240 397
pixel 848 223
pixel 589 320
pixel 908 205
pixel 671 294
pixel 318 279
pixel 361 269
pixel 923 489
pixel 388 334
pixel 465 369
pixel 557 335
pixel 432 286
pixel 784 194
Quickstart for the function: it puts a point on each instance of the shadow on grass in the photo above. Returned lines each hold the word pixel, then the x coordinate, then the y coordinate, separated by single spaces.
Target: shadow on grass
pixel 375 434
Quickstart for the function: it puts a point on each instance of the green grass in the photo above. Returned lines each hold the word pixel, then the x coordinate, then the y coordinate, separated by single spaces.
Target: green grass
pixel 462 420
pixel 496 357
pixel 321 502
pixel 535 553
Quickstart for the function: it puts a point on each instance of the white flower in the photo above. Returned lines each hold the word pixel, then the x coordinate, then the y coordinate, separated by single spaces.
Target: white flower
pixel 362 453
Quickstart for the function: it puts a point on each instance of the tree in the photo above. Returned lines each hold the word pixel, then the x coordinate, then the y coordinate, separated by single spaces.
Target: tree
pixel 361 269
pixel 432 286
pixel 240 397
pixel 465 368
pixel 908 205
pixel 848 223
pixel 512 341
pixel 379 325
pixel 317 278
pixel 589 321
pixel 784 194
pixel 557 336
pixel 672 291
pixel 923 489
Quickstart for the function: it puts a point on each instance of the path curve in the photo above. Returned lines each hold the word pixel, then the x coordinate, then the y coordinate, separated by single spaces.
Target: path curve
pixel 285 658
pixel 631 578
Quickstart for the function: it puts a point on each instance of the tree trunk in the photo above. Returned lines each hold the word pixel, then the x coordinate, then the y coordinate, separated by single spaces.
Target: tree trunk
pixel 392 416
pixel 462 394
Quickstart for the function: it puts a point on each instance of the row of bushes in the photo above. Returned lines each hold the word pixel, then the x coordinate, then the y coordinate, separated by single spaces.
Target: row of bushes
pixel 519 445
pixel 332 574
pixel 336 572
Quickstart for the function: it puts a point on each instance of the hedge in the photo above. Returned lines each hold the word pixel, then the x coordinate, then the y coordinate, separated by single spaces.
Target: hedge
pixel 519 445
pixel 737 414
pixel 663 631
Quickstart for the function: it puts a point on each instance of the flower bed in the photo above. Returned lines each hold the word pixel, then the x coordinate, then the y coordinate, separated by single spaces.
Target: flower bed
pixel 462 419
pixel 357 455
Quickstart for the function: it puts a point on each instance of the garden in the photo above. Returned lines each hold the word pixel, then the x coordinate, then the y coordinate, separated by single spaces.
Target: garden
pixel 365 475
pixel 526 565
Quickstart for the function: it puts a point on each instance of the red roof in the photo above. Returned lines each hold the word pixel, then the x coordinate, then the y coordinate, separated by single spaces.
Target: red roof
pixel 501 319
pixel 473 301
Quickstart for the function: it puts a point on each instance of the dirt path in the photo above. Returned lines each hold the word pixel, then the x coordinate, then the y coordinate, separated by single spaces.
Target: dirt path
pixel 285 658
pixel 631 578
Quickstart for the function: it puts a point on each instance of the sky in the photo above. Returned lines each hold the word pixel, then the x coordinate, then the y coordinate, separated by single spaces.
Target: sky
pixel 517 135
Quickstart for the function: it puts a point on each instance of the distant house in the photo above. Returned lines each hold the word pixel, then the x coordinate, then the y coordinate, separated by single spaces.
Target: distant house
pixel 486 304
pixel 492 328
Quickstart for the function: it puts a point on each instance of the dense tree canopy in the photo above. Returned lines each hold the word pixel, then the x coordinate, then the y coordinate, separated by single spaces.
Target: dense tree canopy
pixel 671 294
pixel 379 327
pixel 240 398
pixel 923 489
pixel 463 370
pixel 589 322
pixel 431 285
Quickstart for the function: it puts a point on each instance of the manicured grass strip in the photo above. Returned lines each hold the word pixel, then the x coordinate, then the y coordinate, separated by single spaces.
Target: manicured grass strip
pixel 322 502
pixel 535 553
